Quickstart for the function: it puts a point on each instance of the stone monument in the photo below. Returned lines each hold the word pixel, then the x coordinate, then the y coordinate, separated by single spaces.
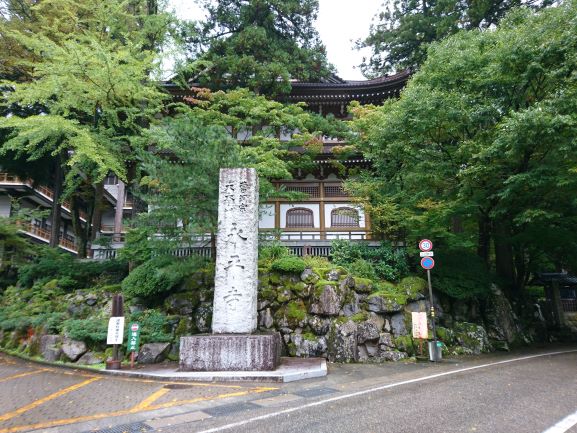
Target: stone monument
pixel 233 346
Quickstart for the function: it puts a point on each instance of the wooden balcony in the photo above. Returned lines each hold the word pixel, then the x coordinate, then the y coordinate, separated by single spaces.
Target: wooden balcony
pixel 44 191
pixel 315 190
pixel 43 234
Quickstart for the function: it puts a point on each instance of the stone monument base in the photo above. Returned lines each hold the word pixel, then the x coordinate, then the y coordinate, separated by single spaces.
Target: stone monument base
pixel 230 352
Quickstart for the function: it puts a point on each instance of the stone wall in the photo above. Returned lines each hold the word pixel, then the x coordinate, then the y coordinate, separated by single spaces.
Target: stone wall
pixel 321 312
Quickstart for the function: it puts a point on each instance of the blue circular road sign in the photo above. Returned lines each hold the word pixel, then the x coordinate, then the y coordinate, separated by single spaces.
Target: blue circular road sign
pixel 427 263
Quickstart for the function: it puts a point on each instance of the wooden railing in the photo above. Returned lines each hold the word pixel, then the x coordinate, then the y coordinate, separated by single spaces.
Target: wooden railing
pixel 328 234
pixel 44 190
pixel 569 305
pixel 315 190
pixel 65 241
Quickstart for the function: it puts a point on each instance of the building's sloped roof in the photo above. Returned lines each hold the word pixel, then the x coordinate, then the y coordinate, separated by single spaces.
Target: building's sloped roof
pixel 563 278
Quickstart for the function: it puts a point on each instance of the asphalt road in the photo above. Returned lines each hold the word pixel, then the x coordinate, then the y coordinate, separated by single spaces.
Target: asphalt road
pixel 528 392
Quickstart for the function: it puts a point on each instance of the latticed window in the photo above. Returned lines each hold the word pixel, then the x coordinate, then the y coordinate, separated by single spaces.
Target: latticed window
pixel 299 217
pixel 344 217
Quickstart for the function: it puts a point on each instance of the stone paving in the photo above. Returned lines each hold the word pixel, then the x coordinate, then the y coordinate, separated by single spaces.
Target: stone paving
pixel 37 397
pixel 47 399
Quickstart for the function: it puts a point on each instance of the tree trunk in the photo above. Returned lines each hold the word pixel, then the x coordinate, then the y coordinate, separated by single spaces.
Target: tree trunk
pixel 504 264
pixel 97 211
pixel 484 238
pixel 56 211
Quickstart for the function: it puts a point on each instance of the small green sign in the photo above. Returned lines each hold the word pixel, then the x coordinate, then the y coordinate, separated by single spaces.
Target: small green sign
pixel 133 337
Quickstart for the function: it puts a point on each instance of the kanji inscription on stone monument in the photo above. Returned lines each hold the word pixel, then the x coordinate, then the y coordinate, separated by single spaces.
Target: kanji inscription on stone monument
pixel 235 292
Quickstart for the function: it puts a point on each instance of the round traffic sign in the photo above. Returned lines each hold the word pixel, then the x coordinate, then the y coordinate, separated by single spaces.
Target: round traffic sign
pixel 427 263
pixel 425 245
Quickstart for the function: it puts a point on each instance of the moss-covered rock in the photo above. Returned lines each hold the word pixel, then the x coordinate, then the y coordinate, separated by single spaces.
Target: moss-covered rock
pixel 405 343
pixel 412 287
pixel 327 300
pixel 472 338
pixel 342 342
pixel 292 315
pixel 383 303
pixel 309 276
pixel 308 345
pixel 363 285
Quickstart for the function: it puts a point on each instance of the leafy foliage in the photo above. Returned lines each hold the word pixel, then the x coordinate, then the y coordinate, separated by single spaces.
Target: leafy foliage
pixel 388 263
pixel 159 276
pixel 289 265
pixel 92 331
pixel 483 129
pixel 257 44
pixel 71 273
pixel 154 326
pixel 462 275
pixel 404 29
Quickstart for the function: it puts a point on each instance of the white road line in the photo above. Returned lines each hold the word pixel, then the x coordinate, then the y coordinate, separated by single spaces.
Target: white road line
pixel 563 425
pixel 378 388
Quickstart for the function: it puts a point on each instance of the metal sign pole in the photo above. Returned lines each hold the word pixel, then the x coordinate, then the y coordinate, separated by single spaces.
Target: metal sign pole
pixel 432 315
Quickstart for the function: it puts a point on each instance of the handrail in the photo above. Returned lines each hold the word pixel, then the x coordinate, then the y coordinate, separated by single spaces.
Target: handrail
pixel 44 190
pixel 31 229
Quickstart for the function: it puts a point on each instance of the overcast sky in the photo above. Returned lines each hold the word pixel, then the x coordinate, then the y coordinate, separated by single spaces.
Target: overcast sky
pixel 339 23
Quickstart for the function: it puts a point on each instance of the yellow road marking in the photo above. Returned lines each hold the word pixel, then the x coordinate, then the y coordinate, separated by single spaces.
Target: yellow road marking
pixel 196 400
pixel 65 421
pixel 43 400
pixel 28 373
pixel 149 400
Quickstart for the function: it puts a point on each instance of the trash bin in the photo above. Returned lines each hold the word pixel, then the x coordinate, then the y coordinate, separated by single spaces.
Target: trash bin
pixel 435 351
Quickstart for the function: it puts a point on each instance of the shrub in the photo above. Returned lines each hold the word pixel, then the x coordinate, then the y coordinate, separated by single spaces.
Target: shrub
pixel 389 263
pixel 362 268
pixel 153 326
pixel 71 272
pixel 159 276
pixel 289 265
pixel 92 331
pixel 271 251
pixel 314 262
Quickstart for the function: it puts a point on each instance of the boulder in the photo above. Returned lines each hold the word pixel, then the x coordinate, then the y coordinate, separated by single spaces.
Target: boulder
pixel 367 331
pixel 392 355
pixel 73 349
pixel 386 341
pixel 292 315
pixel 309 276
pixel 91 299
pixel 265 319
pixel 381 304
pixel 472 338
pixel 333 274
pixel 203 317
pixel 152 353
pixel 182 304
pixel 398 325
pixel 342 342
pixel 319 325
pixel 91 358
pixel 354 306
pixel 307 345
pixel 50 347
pixel 328 302
pixel 377 319
pixel 363 285
pixel 500 319
pixel 347 283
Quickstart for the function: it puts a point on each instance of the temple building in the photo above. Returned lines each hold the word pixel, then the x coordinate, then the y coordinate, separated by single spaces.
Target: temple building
pixel 324 213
